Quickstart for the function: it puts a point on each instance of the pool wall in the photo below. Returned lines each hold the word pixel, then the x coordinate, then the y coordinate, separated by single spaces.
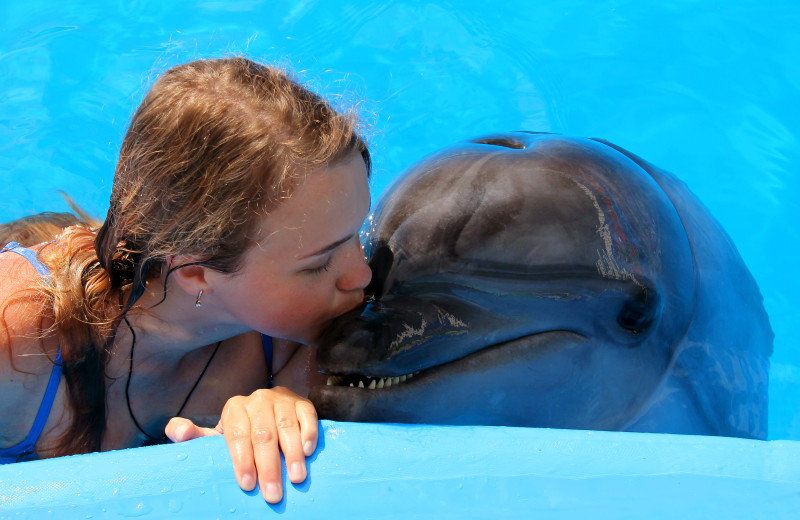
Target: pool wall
pixel 437 472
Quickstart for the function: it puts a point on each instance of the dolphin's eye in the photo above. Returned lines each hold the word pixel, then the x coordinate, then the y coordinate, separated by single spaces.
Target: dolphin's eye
pixel 637 316
pixel 632 320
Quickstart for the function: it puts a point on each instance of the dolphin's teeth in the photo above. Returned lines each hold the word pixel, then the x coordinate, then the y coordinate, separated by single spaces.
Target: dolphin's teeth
pixel 369 382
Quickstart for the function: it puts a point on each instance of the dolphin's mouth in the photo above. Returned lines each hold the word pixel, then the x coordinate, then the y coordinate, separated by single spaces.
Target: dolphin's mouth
pixel 480 359
pixel 452 391
pixel 356 381
pixel 369 382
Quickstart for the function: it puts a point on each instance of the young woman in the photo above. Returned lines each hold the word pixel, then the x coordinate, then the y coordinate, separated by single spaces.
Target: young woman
pixel 234 218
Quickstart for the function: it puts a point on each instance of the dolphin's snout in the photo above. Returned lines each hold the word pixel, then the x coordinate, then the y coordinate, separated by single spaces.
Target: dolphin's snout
pixel 348 339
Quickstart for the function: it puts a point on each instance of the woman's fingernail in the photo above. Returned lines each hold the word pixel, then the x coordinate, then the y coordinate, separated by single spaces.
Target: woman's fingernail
pixel 247 483
pixel 273 493
pixel 296 472
pixel 308 448
pixel 180 432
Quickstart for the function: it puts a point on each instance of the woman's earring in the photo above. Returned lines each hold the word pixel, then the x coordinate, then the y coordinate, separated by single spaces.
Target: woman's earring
pixel 197 301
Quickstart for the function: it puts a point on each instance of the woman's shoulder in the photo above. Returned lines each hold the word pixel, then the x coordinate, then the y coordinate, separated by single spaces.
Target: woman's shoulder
pixel 26 352
pixel 24 314
pixel 22 302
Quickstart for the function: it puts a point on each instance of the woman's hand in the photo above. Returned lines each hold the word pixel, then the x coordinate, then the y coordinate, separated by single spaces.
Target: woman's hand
pixel 257 428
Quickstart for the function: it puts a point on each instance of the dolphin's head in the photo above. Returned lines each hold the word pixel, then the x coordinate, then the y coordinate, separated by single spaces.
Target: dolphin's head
pixel 518 279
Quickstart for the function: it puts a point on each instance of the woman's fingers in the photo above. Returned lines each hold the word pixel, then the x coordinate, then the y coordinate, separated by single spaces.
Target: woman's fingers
pixel 306 417
pixel 179 429
pixel 309 425
pixel 264 446
pixel 258 428
pixel 291 444
pixel 236 428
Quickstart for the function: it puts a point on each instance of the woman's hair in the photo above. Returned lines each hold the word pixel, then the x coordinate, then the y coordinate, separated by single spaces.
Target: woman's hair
pixel 214 146
pixel 44 227
pixel 35 229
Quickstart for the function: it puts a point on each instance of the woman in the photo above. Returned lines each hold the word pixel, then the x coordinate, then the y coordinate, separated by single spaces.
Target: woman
pixel 234 217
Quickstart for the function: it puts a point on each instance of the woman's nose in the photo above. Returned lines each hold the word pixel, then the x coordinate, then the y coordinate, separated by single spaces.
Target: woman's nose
pixel 357 274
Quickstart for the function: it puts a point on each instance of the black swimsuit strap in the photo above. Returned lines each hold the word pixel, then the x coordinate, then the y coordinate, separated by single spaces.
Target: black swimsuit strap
pixel 162 438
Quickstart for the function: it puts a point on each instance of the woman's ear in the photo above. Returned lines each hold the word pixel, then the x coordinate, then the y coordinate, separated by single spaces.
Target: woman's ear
pixel 191 277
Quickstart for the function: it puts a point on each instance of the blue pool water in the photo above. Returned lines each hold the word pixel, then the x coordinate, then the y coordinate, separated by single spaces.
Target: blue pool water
pixel 707 90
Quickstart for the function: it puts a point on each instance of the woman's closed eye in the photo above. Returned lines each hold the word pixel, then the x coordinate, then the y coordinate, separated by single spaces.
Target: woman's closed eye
pixel 321 268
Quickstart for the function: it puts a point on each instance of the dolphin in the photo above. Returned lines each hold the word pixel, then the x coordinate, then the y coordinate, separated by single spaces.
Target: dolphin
pixel 531 279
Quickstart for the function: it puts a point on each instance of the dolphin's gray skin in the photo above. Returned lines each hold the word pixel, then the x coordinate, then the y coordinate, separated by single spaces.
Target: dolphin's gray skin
pixel 540 280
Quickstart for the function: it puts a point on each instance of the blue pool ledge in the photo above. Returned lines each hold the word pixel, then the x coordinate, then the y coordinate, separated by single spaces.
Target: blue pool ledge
pixel 437 472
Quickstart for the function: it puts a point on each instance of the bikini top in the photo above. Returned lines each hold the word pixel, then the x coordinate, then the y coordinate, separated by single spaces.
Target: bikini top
pixel 26 449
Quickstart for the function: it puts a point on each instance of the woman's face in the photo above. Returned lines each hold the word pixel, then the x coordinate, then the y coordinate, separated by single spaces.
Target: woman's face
pixel 307 266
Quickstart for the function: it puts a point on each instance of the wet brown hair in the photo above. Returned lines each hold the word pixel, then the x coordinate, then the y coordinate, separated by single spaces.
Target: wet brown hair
pixel 214 146
pixel 44 227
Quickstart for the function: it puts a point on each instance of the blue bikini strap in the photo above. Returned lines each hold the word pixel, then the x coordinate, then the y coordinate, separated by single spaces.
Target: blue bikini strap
pixel 27 445
pixel 47 402
pixel 30 256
